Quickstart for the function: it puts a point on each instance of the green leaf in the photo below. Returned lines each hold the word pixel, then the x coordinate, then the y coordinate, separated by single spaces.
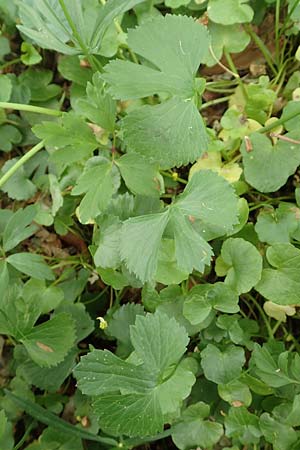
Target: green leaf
pixel 18 187
pixel 39 83
pixel 177 60
pixel 275 370
pixel 280 284
pixel 6 432
pixel 5 88
pixel 228 37
pixel 168 271
pixel 236 393
pixel 202 299
pixel 147 231
pixel 222 367
pixel 229 12
pixel 68 140
pixel 70 68
pixel 44 22
pixel 46 378
pixel 193 431
pixel 119 326
pixel 205 197
pixel 107 254
pixel 30 56
pixel 48 297
pixel 277 433
pixel 48 418
pixel 98 106
pixel 9 136
pixel 140 176
pixel 277 225
pixel 243 264
pixel 148 335
pixel 52 439
pixel 45 344
pixel 84 325
pixel 4 47
pixel 293 415
pixel 19 227
pixel 176 3
pixel 142 412
pixel 191 250
pixel 138 392
pixel 242 425
pixel 99 181
pixel 171 133
pixel 267 167
pixel 32 265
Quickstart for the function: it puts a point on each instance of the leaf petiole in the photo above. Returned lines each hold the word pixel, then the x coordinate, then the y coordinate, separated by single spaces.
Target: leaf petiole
pixel 21 162
pixel 30 108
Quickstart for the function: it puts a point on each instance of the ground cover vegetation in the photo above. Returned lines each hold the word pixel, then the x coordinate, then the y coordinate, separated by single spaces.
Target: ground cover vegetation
pixel 150 224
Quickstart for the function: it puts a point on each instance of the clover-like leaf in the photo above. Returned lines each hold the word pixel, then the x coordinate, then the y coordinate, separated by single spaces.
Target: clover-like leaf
pixel 229 12
pixel 281 283
pixel 194 431
pixel 138 391
pixel 281 435
pixel 5 88
pixel 202 299
pixel 275 370
pixel 222 366
pixel 242 264
pixel 19 186
pixel 242 425
pixel 267 167
pixel 229 37
pixel 9 136
pixel 277 225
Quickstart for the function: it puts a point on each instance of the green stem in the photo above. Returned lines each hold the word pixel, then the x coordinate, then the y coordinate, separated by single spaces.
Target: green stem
pixel 215 102
pixel 234 70
pixel 24 437
pixel 262 47
pixel 277 40
pixel 286 20
pixel 30 108
pixel 278 122
pixel 10 63
pixel 263 315
pixel 136 442
pixel 21 162
pixel 77 36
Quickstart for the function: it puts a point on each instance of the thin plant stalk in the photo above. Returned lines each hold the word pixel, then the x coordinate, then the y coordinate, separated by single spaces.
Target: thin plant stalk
pixel 21 162
pixel 31 108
